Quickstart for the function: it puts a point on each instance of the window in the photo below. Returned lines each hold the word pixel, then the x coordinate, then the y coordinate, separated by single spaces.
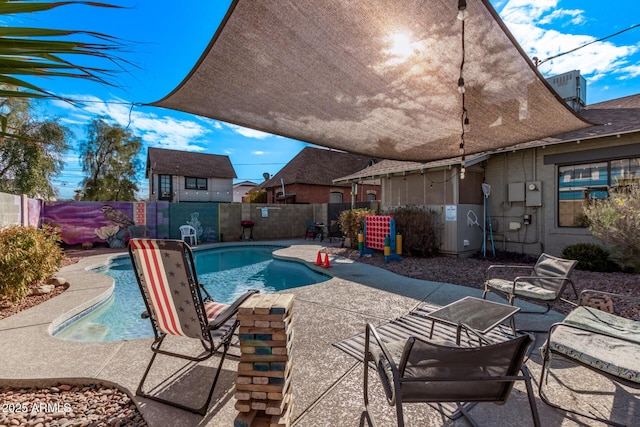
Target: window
pixel 577 183
pixel 335 197
pixel 165 187
pixel 371 197
pixel 191 183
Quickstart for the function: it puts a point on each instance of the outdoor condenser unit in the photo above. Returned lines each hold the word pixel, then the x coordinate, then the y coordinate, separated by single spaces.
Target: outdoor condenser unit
pixel 571 87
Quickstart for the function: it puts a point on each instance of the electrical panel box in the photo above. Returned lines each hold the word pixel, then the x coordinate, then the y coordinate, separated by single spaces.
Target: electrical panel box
pixel 516 192
pixel 533 193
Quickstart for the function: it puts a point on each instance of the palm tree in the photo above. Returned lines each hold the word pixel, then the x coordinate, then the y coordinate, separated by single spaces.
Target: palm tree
pixel 41 52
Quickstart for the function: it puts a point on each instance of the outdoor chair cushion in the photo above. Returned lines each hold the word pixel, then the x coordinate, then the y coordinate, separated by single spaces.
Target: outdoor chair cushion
pixel 605 348
pixel 524 288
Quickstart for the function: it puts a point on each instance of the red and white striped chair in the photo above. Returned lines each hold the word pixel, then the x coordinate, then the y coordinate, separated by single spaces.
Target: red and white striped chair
pixel 165 271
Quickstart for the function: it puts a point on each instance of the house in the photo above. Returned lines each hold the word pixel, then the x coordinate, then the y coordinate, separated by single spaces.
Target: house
pixel 183 176
pixel 533 192
pixel 240 189
pixel 308 178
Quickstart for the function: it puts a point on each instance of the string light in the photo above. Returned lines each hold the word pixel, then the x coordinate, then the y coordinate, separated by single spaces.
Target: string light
pixel 462 10
pixel 464 119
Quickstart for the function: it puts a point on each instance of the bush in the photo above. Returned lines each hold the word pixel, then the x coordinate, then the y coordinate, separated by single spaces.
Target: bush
pixel 419 230
pixel 259 196
pixel 29 255
pixel 616 222
pixel 352 222
pixel 590 257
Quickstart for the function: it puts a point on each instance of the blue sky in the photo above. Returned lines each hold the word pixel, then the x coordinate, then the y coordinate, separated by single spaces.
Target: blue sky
pixel 164 40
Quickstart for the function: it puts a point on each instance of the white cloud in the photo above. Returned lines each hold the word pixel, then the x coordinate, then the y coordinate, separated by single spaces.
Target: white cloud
pixel 258 153
pixel 576 15
pixel 249 133
pixel 630 72
pixel 153 129
pixel 528 20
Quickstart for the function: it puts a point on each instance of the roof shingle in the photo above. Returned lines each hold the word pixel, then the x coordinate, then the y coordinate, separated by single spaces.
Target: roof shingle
pixel 318 167
pixel 186 163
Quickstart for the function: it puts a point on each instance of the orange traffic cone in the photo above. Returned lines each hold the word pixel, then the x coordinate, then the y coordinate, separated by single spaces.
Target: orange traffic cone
pixel 319 259
pixel 326 261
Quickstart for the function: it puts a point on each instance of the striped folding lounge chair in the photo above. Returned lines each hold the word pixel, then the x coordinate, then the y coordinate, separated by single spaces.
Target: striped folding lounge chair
pixel 178 305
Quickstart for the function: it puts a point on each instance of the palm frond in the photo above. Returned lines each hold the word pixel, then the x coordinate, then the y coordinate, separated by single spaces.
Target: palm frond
pixel 38 52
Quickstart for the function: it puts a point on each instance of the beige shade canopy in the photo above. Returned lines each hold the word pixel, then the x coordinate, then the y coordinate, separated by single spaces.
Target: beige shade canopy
pixel 378 78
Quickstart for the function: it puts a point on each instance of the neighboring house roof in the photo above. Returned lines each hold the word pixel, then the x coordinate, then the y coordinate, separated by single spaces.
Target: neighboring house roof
pixel 317 166
pixel 186 163
pixel 244 184
pixel 614 117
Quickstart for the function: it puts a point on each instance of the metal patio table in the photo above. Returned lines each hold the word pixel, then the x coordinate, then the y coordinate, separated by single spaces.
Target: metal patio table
pixel 475 313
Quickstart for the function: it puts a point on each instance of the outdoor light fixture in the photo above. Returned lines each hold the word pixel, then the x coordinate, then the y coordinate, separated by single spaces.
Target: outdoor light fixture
pixel 462 10
pixel 461 85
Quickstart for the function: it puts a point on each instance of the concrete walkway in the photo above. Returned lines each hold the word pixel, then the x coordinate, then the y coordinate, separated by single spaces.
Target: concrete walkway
pixel 327 383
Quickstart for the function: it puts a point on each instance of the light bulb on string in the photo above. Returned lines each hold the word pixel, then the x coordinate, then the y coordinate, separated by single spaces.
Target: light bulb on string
pixel 461 87
pixel 465 125
pixel 462 10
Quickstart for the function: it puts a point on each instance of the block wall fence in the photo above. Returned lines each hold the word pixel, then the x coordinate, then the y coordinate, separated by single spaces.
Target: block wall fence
pixel 115 222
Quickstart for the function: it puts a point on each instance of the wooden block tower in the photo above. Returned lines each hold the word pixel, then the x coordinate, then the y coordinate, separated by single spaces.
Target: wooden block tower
pixel 263 386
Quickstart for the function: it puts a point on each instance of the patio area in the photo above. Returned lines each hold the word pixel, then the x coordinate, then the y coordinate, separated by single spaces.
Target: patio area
pixel 327 382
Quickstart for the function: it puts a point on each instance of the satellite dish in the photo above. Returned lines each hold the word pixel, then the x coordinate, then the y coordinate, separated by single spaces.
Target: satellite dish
pixel 266 176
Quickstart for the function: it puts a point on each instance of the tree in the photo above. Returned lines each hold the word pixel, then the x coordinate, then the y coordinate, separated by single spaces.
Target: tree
pixel 30 150
pixel 109 157
pixel 616 221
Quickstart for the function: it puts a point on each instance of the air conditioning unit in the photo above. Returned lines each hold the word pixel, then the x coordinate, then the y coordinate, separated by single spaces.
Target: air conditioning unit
pixel 571 87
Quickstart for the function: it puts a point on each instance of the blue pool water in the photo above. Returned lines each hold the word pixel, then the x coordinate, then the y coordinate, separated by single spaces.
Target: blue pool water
pixel 225 272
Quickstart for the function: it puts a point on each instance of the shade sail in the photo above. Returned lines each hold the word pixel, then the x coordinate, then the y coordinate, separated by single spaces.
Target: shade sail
pixel 373 77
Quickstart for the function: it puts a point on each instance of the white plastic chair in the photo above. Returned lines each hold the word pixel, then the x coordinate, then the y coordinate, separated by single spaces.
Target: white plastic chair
pixel 187 231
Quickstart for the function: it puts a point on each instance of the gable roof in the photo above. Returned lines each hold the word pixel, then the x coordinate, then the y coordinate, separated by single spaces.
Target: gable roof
pixel 244 184
pixel 187 163
pixel 317 166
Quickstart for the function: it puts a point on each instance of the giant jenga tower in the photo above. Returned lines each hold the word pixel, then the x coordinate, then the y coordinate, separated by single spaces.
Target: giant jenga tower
pixel 263 386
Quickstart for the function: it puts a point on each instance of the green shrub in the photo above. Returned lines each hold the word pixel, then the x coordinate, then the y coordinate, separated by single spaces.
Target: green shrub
pixel 419 229
pixel 590 257
pixel 29 255
pixel 352 222
pixel 616 222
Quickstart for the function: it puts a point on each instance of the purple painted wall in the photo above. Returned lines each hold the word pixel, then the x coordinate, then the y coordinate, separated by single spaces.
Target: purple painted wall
pixel 81 222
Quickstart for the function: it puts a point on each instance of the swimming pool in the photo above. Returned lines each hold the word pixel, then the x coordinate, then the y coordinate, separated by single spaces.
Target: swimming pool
pixel 225 272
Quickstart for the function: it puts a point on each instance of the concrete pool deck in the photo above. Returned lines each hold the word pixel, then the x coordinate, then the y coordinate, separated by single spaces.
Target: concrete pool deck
pixel 327 383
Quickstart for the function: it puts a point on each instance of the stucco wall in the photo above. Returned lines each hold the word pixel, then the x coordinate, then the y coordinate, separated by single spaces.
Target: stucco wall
pixel 528 166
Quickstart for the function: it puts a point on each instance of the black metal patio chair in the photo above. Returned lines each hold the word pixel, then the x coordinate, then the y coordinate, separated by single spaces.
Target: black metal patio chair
pixel 415 370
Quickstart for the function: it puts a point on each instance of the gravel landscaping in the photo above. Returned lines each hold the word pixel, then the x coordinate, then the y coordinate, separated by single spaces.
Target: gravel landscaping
pixel 471 272
pixel 66 405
